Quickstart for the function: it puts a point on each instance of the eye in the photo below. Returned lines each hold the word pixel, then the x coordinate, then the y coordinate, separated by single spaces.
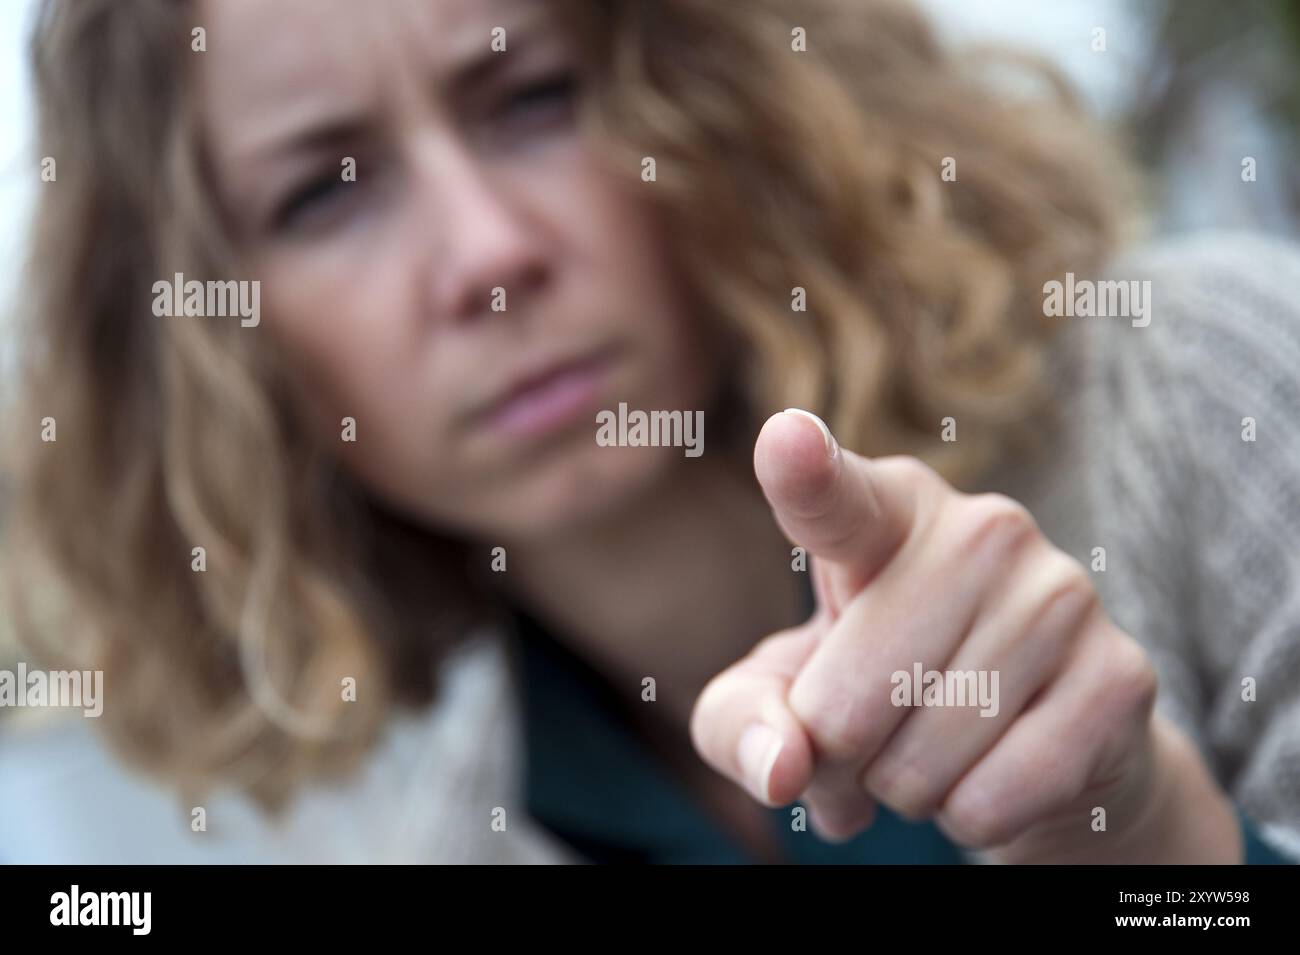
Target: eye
pixel 541 102
pixel 313 199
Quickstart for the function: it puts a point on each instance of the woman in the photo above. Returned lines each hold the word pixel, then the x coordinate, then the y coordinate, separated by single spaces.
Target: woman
pixel 486 236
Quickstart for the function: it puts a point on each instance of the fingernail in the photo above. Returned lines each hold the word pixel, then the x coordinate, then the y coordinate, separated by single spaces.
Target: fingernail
pixel 831 445
pixel 760 745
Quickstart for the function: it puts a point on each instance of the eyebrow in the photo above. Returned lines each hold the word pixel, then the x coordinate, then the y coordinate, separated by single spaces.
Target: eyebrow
pixel 472 72
pixel 477 69
pixel 528 34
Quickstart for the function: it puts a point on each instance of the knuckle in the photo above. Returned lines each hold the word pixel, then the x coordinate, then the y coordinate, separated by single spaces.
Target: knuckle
pixel 1132 677
pixel 838 725
pixel 979 817
pixel 1059 601
pixel 908 471
pixel 926 488
pixel 995 520
pixel 1066 581
pixel 975 823
pixel 1124 685
pixel 904 787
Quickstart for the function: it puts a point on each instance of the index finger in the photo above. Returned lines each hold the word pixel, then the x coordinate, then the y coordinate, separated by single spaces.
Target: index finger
pixel 842 508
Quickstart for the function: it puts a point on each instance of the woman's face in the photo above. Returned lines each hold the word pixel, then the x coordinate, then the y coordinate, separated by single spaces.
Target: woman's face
pixel 472 175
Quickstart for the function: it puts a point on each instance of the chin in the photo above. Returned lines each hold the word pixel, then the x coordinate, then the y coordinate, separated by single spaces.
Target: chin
pixel 587 488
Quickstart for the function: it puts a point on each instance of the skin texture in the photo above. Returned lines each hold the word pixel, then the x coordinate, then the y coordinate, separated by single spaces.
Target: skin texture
pixel 469 179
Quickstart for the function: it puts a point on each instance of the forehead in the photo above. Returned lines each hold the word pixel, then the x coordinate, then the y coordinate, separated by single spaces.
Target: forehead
pixel 261 54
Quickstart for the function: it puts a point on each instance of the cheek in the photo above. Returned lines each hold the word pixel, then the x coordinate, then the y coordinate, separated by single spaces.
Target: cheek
pixel 320 323
pixel 348 335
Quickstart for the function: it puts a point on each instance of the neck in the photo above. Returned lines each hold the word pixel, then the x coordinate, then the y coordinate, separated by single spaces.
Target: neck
pixel 681 585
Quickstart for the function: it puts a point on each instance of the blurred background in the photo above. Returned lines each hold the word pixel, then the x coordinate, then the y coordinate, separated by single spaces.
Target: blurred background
pixel 1196 85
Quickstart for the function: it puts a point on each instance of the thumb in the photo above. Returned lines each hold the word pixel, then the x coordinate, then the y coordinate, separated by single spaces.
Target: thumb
pixel 743 727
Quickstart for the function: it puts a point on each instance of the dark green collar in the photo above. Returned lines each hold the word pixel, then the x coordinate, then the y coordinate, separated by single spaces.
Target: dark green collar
pixel 594 783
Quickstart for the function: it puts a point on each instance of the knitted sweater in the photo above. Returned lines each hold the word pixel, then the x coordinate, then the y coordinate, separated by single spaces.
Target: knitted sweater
pixel 1198 517
pixel 1150 463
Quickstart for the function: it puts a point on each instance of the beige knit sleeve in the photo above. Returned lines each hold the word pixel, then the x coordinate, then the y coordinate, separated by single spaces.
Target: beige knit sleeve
pixel 1196 496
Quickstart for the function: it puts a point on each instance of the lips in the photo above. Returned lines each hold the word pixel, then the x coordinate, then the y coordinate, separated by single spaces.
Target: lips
pixel 549 396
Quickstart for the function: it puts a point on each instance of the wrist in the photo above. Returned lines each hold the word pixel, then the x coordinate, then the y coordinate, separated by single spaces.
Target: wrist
pixel 1175 813
pixel 1190 819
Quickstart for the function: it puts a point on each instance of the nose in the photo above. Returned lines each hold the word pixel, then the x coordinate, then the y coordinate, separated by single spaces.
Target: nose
pixel 481 236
